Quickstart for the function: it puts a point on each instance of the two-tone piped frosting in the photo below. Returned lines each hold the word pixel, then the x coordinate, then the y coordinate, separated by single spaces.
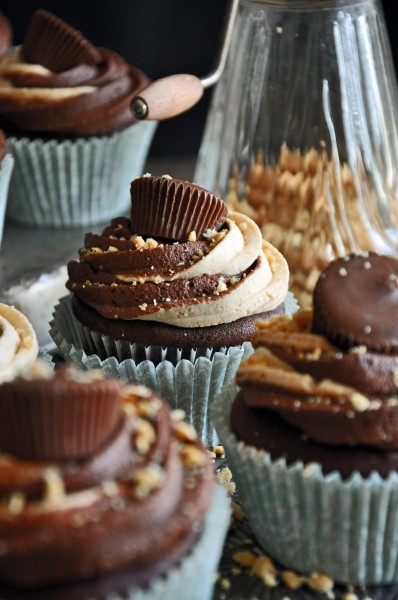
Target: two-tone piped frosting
pixel 18 343
pixel 332 372
pixel 58 84
pixel 213 268
pixel 106 477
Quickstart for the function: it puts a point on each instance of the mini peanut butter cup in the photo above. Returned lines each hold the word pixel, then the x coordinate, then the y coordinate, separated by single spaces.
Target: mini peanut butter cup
pixel 172 209
pixel 64 417
pixel 54 44
pixel 356 303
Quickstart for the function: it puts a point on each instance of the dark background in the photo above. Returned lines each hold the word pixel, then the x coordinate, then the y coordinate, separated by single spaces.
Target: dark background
pixel 161 37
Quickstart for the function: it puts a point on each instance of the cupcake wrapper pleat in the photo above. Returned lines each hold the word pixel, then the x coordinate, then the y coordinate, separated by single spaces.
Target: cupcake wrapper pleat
pixel 310 522
pixel 74 183
pixel 190 385
pixel 6 167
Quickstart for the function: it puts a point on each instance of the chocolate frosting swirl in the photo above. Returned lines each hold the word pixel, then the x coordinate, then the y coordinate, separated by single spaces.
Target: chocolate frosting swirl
pixel 344 394
pixel 137 501
pixel 79 101
pixel 227 275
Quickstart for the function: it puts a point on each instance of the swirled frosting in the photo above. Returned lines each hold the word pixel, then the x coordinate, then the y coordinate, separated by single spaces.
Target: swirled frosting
pixel 81 100
pixel 18 343
pixel 227 275
pixel 334 396
pixel 333 371
pixel 138 500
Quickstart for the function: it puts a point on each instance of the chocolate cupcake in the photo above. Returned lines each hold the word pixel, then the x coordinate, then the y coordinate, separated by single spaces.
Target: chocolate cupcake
pixel 128 504
pixel 6 167
pixel 310 432
pixel 173 304
pixel 65 105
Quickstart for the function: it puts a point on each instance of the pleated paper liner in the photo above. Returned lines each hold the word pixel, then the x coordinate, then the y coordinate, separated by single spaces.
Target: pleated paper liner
pixel 6 167
pixel 190 385
pixel 75 183
pixel 310 522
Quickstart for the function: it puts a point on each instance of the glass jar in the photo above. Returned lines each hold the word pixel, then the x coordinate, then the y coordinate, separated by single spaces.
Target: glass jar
pixel 302 131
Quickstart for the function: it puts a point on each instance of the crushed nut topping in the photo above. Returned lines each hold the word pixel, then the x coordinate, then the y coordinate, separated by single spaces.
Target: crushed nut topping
pixel 185 432
pixel 54 492
pixel 147 480
pixel 192 457
pixel 224 476
pixel 145 436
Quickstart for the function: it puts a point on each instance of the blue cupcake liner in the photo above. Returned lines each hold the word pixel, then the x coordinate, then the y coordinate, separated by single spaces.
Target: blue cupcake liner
pixel 6 167
pixel 74 183
pixel 310 522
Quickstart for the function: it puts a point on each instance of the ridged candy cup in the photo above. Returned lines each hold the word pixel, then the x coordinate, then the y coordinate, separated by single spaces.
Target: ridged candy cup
pixel 74 183
pixel 309 522
pixel 6 167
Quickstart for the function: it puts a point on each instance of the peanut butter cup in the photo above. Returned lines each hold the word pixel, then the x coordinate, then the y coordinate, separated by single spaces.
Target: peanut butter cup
pixel 356 303
pixel 62 417
pixel 54 44
pixel 172 209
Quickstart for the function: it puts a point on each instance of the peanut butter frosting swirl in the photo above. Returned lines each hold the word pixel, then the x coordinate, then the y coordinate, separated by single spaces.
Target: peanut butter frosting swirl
pixel 343 393
pixel 138 500
pixel 229 274
pixel 18 343
pixel 86 99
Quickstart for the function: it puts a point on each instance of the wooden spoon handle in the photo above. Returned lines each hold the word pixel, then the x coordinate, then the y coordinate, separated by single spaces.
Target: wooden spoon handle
pixel 167 97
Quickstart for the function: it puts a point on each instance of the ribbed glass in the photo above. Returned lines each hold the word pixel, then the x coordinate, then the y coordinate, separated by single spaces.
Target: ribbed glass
pixel 302 130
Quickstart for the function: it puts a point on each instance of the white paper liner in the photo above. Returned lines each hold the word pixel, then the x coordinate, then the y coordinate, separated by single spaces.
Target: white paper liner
pixel 6 167
pixel 187 385
pixel 74 183
pixel 46 357
pixel 311 522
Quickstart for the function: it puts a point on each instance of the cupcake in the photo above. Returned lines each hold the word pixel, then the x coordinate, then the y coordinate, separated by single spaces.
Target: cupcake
pixel 311 430
pixel 104 493
pixel 18 343
pixel 6 166
pixel 172 294
pixel 65 106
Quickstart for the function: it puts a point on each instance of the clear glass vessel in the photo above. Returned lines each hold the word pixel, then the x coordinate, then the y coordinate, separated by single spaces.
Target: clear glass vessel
pixel 302 130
